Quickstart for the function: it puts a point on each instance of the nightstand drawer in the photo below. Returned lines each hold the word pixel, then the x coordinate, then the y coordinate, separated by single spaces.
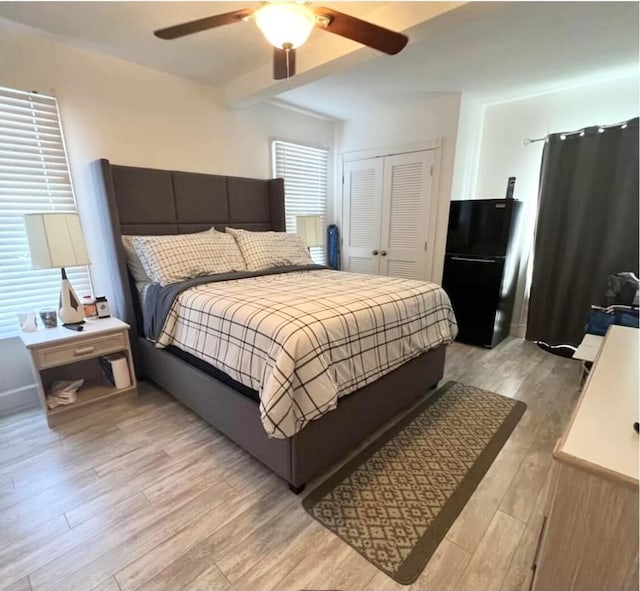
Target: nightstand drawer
pixel 85 349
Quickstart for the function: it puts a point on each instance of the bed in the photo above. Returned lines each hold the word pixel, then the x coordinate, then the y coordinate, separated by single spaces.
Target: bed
pixel 142 201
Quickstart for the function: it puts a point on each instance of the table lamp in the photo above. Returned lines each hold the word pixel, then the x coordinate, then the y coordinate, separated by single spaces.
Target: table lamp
pixel 56 242
pixel 309 227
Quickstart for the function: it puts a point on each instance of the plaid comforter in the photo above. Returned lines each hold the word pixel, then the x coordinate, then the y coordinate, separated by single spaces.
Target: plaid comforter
pixel 304 339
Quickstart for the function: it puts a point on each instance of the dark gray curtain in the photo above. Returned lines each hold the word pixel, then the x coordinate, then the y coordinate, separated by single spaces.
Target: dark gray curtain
pixel 587 228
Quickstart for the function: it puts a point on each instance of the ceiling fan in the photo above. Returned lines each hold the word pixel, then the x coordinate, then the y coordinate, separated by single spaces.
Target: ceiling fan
pixel 287 24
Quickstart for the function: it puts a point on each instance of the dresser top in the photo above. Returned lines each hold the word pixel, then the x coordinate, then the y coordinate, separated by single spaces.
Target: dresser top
pixel 600 436
pixel 44 336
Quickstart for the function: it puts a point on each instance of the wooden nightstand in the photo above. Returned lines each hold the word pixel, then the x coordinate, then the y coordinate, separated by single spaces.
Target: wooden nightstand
pixel 63 354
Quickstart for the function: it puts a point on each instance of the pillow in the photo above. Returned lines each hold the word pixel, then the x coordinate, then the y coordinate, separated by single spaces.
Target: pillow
pixel 133 260
pixel 171 258
pixel 265 250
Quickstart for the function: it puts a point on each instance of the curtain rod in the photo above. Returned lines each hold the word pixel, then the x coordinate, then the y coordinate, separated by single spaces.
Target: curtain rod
pixel 601 128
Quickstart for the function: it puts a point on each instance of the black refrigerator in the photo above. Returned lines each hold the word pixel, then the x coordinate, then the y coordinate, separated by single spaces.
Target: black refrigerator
pixel 480 268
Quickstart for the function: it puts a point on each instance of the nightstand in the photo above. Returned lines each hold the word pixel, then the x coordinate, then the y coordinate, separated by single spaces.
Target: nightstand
pixel 63 354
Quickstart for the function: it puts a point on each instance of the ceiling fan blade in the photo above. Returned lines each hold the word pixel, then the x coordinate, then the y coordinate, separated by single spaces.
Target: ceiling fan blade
pixel 280 70
pixel 202 24
pixel 361 31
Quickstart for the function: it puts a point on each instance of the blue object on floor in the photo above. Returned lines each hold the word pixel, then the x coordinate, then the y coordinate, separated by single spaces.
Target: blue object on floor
pixel 333 242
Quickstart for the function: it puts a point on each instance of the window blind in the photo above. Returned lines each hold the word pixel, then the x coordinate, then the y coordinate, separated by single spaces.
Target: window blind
pixel 305 173
pixel 34 177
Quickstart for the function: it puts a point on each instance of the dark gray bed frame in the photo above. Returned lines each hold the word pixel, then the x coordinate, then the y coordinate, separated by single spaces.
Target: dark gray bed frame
pixel 149 201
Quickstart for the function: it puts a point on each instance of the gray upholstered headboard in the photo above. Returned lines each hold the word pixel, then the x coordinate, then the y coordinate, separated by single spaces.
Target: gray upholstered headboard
pixel 149 201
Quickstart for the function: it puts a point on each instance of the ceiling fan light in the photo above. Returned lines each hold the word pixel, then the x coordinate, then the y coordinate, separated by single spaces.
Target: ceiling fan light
pixel 285 24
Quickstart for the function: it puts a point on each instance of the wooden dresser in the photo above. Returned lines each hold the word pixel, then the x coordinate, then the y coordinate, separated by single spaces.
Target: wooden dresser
pixel 590 537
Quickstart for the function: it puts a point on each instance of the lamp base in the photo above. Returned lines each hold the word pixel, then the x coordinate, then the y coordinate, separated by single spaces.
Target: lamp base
pixel 71 310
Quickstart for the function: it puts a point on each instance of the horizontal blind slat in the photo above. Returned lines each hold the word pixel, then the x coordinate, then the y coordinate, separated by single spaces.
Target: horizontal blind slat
pixel 26 142
pixel 25 95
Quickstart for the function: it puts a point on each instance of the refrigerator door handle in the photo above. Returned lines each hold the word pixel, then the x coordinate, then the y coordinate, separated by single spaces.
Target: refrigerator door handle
pixel 473 260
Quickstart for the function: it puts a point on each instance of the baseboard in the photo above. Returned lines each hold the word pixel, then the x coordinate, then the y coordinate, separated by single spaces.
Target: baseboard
pixel 518 330
pixel 18 399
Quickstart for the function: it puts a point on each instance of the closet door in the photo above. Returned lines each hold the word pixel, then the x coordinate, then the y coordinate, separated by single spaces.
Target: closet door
pixel 405 215
pixel 362 193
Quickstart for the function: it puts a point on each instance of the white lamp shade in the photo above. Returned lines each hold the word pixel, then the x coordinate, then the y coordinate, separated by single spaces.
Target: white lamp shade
pixel 55 240
pixel 285 23
pixel 311 230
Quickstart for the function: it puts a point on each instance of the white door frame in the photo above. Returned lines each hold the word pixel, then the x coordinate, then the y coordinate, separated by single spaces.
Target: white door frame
pixel 392 150
pixel 434 144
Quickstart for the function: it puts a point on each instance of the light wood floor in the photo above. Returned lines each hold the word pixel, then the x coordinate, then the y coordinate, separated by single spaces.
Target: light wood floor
pixel 142 494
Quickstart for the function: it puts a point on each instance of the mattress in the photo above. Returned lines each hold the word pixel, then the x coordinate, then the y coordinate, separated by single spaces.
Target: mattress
pixel 303 339
pixel 214 372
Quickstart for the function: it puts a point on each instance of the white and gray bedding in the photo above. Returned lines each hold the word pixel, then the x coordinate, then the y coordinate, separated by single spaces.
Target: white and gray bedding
pixel 301 337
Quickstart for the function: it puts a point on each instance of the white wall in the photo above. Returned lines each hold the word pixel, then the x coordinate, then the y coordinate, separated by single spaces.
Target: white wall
pixel 137 116
pixel 465 169
pixel 407 124
pixel 502 152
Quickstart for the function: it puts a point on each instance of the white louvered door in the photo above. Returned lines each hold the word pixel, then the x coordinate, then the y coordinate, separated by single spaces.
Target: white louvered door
pixel 405 215
pixel 387 203
pixel 362 194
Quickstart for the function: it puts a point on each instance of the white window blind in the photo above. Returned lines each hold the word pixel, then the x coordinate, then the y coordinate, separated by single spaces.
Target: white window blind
pixel 305 173
pixel 34 177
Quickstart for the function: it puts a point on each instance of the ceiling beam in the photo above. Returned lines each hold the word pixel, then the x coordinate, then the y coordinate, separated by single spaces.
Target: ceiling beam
pixel 331 54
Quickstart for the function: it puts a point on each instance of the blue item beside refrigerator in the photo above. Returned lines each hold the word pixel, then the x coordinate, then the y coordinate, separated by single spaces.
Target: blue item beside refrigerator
pixel 333 247
pixel 480 268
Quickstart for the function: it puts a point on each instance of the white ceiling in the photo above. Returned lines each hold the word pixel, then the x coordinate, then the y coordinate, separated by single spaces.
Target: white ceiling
pixel 493 48
pixel 497 49
pixel 125 30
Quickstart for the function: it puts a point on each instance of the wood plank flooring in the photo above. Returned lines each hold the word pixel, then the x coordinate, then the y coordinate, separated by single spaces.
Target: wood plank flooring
pixel 141 494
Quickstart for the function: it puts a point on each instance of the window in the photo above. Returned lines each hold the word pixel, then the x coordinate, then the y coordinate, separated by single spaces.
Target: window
pixel 305 173
pixel 34 176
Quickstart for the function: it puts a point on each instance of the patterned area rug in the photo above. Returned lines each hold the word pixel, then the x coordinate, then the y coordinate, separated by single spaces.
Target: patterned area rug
pixel 395 501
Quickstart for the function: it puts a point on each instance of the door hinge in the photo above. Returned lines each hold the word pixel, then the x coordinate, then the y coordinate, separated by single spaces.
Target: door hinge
pixel 343 179
pixel 425 247
pixel 431 170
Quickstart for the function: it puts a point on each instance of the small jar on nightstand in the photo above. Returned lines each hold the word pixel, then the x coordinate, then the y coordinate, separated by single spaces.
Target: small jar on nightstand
pixel 103 307
pixel 90 308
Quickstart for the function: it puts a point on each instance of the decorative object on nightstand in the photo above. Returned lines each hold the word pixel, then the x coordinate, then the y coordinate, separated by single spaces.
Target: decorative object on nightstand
pixel 27 321
pixel 103 307
pixel 90 308
pixel 49 317
pixel 55 241
pixel 309 227
pixel 59 355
